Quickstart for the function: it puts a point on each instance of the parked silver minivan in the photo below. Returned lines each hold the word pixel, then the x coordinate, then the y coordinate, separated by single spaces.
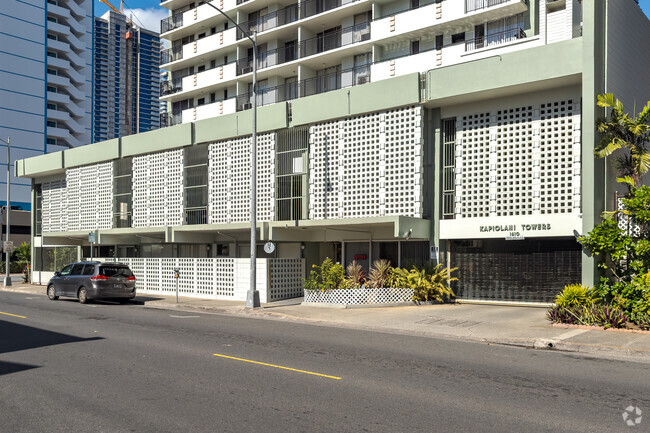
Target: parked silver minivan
pixel 93 280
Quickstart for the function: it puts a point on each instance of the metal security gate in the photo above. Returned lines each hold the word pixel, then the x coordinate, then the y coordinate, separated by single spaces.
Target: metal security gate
pixel 523 271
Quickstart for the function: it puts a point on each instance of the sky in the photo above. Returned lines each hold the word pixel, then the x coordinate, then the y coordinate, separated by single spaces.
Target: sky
pixel 149 12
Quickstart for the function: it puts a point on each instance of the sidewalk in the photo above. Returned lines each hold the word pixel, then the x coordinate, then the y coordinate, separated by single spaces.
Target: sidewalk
pixel 495 324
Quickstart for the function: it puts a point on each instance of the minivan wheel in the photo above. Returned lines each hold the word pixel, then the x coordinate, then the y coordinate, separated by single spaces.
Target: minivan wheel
pixel 82 295
pixel 51 293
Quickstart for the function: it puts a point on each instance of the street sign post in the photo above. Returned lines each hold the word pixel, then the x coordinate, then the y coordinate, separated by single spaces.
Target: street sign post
pixel 91 239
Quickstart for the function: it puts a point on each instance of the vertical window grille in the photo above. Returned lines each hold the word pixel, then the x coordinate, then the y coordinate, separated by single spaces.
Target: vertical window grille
pixel 448 168
pixel 291 182
pixel 195 178
pixel 122 192
pixel 38 215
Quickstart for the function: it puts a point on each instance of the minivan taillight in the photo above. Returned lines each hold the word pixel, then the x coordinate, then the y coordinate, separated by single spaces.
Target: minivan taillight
pixel 99 277
pixel 130 278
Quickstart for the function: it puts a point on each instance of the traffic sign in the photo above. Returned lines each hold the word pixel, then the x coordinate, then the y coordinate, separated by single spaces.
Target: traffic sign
pixel 91 237
pixel 8 247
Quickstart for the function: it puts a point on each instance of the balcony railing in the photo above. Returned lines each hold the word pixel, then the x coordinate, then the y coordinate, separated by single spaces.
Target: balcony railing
pixel 494 39
pixel 269 95
pixel 196 215
pixel 268 58
pixel 474 5
pixel 122 220
pixel 171 23
pixel 310 86
pixel 171 54
pixel 270 21
pixel 337 39
pixel 169 119
pixel 170 87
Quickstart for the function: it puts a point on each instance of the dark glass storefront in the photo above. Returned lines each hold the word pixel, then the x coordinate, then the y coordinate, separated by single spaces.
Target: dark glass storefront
pixel 531 270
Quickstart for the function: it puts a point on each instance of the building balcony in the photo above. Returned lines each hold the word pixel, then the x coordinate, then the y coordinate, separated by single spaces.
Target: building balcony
pixel 495 39
pixel 185 18
pixel 405 65
pixel 395 19
pixel 209 77
pixel 207 111
pixel 198 48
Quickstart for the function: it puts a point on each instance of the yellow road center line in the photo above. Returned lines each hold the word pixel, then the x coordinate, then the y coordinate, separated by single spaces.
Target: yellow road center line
pixel 14 315
pixel 277 366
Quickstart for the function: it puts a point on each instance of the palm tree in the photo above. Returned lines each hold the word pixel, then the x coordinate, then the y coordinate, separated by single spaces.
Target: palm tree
pixel 622 132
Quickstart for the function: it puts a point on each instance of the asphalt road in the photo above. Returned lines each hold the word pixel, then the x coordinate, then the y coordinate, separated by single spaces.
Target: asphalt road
pixel 124 368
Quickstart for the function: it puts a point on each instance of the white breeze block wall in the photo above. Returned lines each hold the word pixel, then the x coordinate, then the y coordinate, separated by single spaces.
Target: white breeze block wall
pixel 229 179
pixel 521 160
pixel 367 166
pixel 83 200
pixel 158 189
pixel 90 197
pixel 217 278
pixel 55 205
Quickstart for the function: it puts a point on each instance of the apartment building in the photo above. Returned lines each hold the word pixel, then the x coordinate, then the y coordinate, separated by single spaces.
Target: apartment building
pixel 127 78
pixel 459 131
pixel 45 80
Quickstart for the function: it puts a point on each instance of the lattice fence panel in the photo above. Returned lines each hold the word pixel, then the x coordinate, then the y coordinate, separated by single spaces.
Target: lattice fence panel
pixel 55 204
pixel 158 189
pixel 625 223
pixel 286 278
pixel 472 174
pixel 516 157
pixel 359 296
pixel 560 157
pixel 229 174
pixel 367 166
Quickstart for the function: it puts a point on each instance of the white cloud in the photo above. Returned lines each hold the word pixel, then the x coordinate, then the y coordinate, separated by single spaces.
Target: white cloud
pixel 148 18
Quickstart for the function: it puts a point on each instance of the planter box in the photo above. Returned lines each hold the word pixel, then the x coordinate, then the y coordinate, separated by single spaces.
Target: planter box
pixel 361 296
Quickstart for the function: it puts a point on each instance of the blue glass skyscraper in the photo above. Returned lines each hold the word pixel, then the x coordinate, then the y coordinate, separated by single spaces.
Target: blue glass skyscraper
pixel 127 78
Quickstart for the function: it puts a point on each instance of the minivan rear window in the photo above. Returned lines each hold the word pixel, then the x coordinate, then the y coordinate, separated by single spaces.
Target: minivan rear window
pixel 110 271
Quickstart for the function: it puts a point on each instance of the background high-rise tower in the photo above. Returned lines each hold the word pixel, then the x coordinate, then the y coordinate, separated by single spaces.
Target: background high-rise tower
pixel 127 78
pixel 45 80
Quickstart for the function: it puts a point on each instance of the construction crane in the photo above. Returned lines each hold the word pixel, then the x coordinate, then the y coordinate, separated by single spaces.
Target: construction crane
pixel 121 11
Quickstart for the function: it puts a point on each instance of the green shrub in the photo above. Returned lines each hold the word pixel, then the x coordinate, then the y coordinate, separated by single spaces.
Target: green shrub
pixel 356 277
pixel 379 275
pixel 428 284
pixel 575 295
pixel 328 275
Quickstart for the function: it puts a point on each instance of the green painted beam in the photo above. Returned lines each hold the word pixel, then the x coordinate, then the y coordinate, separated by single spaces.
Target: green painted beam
pixel 269 118
pixel 41 165
pixel 527 66
pixel 158 140
pixel 92 153
pixel 385 94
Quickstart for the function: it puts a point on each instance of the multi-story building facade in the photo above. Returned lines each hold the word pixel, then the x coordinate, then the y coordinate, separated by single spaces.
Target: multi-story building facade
pixel 45 80
pixel 459 131
pixel 127 78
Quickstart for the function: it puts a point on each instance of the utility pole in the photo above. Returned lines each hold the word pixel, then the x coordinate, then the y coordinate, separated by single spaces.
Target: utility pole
pixel 7 248
pixel 253 296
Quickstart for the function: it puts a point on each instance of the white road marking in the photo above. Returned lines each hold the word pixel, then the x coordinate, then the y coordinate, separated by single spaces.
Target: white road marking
pixel 182 317
pixel 29 298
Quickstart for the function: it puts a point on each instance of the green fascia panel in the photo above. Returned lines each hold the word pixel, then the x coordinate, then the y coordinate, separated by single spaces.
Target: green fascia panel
pixel 537 64
pixel 269 118
pixel 158 140
pixel 42 165
pixel 384 94
pixel 92 153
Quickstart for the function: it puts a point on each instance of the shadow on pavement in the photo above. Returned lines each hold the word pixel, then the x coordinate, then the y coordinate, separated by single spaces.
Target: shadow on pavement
pixel 11 367
pixel 15 337
pixel 141 300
